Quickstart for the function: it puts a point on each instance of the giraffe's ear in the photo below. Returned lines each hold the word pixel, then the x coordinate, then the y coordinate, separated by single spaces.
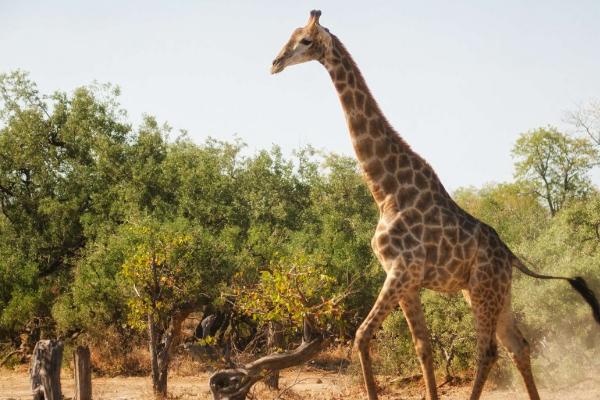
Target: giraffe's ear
pixel 313 19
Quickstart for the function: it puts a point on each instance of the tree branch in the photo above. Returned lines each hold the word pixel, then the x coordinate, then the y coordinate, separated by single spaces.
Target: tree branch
pixel 234 384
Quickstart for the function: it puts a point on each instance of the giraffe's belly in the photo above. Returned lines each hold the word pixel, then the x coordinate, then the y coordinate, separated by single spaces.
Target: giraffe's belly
pixel 444 279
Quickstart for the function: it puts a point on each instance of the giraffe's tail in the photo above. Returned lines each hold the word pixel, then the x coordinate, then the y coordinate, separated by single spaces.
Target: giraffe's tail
pixel 577 283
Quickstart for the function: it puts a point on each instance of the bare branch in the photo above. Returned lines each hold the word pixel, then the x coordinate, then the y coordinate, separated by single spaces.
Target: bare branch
pixel 234 384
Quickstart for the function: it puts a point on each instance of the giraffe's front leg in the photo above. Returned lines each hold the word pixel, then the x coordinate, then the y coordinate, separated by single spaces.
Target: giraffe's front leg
pixel 413 311
pixel 395 285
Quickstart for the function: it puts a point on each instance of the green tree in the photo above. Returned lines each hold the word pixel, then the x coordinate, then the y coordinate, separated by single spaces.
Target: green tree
pixel 583 220
pixel 309 223
pixel 556 165
pixel 60 162
pixel 164 183
pixel 170 269
pixel 341 222
pixel 586 119
pixel 511 208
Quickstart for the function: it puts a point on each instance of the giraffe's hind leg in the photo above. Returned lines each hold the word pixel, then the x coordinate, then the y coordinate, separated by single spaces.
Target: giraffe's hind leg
pixel 518 348
pixel 486 307
pixel 413 311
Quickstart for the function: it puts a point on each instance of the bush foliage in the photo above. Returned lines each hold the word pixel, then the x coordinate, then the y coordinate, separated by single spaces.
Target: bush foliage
pixel 103 223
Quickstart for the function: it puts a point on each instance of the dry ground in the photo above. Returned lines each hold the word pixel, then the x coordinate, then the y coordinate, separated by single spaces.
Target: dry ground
pixel 296 385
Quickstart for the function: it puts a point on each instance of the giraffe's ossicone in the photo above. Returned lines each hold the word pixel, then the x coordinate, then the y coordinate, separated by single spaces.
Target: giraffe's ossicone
pixel 423 238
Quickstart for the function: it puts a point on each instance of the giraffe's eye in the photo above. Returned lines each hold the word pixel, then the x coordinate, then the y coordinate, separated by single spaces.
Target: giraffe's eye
pixel 306 42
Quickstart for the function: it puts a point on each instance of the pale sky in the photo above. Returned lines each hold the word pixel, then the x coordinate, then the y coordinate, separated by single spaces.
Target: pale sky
pixel 458 80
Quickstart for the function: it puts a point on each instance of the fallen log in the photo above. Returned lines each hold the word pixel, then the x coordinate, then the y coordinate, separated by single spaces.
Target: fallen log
pixel 234 384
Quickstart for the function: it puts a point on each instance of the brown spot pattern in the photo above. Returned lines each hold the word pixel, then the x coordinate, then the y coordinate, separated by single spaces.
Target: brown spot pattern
pixel 423 236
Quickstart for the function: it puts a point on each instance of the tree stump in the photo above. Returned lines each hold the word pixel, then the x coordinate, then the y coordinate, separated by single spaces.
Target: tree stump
pixel 83 373
pixel 45 370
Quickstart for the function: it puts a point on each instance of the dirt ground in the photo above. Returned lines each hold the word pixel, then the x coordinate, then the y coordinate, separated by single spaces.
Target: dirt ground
pixel 295 385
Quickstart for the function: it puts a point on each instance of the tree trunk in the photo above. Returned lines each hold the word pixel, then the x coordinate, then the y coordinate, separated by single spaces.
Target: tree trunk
pixel 160 350
pixel 159 386
pixel 45 370
pixel 83 373
pixel 274 344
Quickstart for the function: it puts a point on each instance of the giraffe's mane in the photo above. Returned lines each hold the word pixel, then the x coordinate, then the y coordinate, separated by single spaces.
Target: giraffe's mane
pixel 389 129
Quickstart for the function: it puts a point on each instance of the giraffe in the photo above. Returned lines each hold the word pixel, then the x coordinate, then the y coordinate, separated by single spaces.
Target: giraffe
pixel 423 238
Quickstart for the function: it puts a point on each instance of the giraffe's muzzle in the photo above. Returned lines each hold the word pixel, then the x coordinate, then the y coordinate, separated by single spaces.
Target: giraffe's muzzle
pixel 277 65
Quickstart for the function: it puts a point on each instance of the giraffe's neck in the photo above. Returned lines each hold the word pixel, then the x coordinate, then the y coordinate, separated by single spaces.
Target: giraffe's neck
pixel 387 160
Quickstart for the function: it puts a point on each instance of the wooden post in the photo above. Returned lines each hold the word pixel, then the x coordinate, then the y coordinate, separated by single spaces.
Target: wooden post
pixel 45 370
pixel 83 373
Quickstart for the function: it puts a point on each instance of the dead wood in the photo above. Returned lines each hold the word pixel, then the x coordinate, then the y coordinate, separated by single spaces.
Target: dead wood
pixel 83 373
pixel 234 384
pixel 45 370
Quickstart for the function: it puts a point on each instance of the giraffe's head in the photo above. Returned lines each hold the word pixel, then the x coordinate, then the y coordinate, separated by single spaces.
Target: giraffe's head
pixel 308 43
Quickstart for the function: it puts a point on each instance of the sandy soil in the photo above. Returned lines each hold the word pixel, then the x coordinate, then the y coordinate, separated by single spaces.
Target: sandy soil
pixel 295 385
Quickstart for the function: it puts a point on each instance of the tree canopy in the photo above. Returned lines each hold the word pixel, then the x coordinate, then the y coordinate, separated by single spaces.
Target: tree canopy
pixel 555 165
pixel 109 231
